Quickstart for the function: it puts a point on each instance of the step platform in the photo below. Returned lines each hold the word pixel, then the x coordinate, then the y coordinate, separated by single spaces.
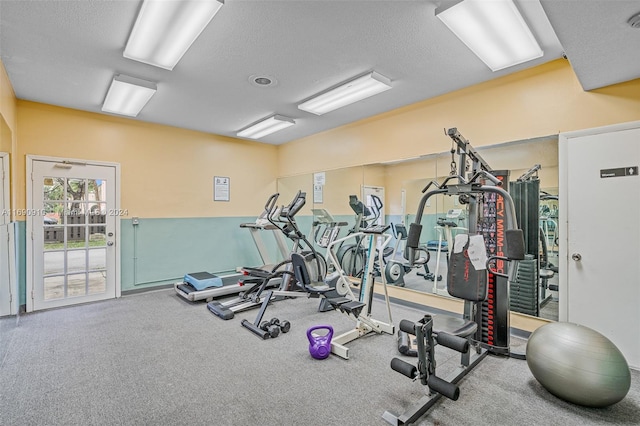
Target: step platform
pixel 202 280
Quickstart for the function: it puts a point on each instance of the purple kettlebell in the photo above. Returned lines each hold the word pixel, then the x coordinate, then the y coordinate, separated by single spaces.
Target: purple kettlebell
pixel 320 346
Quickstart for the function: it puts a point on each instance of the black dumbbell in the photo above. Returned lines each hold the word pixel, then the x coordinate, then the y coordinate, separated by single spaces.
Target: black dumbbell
pixel 272 329
pixel 284 326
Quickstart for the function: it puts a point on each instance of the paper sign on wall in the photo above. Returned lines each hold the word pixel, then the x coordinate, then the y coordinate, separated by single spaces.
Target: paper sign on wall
pixel 221 190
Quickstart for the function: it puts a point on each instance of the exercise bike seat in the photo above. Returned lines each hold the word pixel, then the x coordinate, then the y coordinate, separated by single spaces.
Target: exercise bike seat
pixel 454 325
pixel 301 273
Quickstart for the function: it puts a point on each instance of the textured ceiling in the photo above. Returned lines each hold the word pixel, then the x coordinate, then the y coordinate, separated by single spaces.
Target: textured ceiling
pixel 65 52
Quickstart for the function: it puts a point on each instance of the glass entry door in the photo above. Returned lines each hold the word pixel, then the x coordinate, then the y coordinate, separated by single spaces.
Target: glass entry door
pixel 72 219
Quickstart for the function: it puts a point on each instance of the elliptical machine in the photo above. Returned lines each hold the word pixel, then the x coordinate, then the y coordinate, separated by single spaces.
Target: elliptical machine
pixel 395 269
pixel 283 218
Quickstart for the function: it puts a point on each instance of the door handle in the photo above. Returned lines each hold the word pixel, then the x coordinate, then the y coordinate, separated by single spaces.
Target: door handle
pixel 109 243
pixel 577 257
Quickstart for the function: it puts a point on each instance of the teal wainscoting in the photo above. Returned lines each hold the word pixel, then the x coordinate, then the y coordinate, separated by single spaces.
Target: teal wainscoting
pixel 157 252
pixel 161 251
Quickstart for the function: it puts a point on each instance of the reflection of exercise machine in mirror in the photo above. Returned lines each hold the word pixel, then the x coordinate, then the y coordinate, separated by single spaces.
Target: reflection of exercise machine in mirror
pixel 352 256
pixel 529 294
pixel 396 268
pixel 548 253
pixel 549 219
pixel 447 227
pixel 325 229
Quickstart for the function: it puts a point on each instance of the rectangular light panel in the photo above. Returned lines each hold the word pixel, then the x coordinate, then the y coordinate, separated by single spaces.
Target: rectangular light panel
pixel 347 93
pixel 266 127
pixel 494 30
pixel 128 95
pixel 164 30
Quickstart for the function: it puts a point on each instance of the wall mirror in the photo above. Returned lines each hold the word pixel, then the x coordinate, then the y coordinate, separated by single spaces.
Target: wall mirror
pixel 327 212
pixel 400 184
pixel 444 216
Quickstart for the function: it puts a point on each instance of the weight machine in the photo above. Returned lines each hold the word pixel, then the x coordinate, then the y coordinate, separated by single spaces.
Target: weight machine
pixel 495 244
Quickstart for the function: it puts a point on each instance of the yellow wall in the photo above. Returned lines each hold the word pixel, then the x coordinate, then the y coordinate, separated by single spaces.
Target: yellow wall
pixel 536 102
pixel 8 124
pixel 166 171
pixel 7 102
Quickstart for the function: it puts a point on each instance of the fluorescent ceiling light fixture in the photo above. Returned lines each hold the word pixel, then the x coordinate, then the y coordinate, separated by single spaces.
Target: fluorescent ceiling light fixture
pixel 352 91
pixel 128 95
pixel 165 29
pixel 266 127
pixel 494 30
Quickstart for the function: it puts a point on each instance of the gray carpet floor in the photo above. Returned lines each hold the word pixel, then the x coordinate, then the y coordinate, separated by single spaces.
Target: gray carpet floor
pixel 155 359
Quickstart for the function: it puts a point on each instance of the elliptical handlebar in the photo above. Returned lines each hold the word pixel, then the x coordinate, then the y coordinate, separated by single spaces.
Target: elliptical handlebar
pixel 271 203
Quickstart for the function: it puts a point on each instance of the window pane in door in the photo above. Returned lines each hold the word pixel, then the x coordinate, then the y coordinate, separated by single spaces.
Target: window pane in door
pixel 97 259
pixel 97 282
pixel 77 190
pixel 54 287
pixel 76 285
pixel 76 261
pixel 76 236
pixel 53 188
pixel 53 262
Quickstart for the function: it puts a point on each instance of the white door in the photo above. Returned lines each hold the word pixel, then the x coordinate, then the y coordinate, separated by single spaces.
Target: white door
pixel 6 296
pixel 72 230
pixel 601 215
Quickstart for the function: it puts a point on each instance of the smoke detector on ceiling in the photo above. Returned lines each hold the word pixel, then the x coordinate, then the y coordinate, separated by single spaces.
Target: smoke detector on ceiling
pixel 262 80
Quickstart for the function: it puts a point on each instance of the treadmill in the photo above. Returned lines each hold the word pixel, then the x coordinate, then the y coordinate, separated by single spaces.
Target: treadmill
pixel 280 276
pixel 195 288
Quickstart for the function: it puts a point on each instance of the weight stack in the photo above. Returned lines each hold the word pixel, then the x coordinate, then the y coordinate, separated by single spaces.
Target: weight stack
pixel 493 314
pixel 523 291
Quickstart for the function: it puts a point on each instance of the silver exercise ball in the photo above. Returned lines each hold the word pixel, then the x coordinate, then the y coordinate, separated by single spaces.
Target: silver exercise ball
pixel 578 364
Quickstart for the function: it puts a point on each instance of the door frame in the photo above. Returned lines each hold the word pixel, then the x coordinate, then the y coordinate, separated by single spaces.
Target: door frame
pixel 563 181
pixel 11 242
pixel 29 227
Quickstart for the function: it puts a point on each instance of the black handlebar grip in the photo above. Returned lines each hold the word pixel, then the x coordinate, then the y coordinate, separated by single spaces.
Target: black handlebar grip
pixel 271 202
pixel 444 388
pixel 408 327
pixel 515 244
pixel 491 265
pixel 404 368
pixel 453 342
pixel 413 240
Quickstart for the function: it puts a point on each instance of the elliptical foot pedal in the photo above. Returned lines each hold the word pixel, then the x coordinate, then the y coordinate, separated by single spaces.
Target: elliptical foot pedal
pixel 325 305
pixel 352 308
pixel 220 310
pixel 337 301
